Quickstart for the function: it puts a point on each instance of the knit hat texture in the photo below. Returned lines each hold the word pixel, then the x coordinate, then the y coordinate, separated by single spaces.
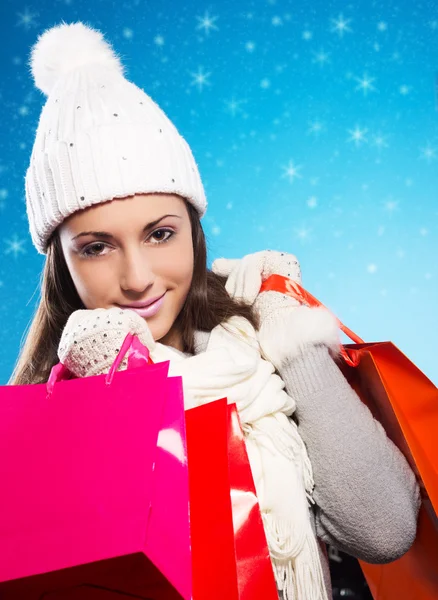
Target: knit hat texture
pixel 99 136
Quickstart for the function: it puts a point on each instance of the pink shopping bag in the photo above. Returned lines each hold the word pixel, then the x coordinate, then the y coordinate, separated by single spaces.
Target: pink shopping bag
pixel 80 497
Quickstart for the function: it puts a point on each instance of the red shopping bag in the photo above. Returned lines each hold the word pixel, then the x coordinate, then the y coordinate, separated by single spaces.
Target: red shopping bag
pixel 405 402
pixel 71 543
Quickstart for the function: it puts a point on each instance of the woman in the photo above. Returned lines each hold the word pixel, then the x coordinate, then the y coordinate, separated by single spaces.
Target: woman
pixel 114 199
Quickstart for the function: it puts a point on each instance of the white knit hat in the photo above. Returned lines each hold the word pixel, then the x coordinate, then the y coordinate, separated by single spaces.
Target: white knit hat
pixel 99 136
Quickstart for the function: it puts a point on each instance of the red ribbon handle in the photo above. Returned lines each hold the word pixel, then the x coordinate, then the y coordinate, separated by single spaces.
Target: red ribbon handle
pixel 284 285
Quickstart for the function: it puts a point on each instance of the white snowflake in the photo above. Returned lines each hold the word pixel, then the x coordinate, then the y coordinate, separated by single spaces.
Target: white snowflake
pixel 207 23
pixel 315 127
pixel 424 231
pixel 391 205
pixel 15 246
pixel 365 84
pixel 292 171
pixel 3 194
pixel 321 57
pixel 200 78
pixel 307 35
pixel 23 111
pixel 233 106
pixel 372 268
pixel 404 89
pixel 26 19
pixel 159 40
pixel 312 202
pixel 428 153
pixel 341 25
pixel 303 233
pixel 265 83
pixel 357 135
pixel 128 33
pixel 276 21
pixel 215 230
pixel 382 26
pixel 250 46
pixel 380 142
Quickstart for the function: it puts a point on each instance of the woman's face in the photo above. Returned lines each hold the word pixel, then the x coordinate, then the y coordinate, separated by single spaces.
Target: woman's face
pixel 133 250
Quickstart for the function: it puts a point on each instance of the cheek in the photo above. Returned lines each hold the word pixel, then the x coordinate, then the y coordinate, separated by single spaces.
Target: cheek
pixel 90 284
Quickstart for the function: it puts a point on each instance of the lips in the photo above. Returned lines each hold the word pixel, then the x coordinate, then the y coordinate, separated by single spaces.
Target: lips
pixel 148 309
pixel 143 304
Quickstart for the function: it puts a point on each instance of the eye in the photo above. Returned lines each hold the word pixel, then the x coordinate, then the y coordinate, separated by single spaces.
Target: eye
pixel 93 250
pixel 160 236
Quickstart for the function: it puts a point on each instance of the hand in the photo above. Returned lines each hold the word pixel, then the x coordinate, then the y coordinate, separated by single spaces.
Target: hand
pixel 286 326
pixel 91 339
pixel 245 277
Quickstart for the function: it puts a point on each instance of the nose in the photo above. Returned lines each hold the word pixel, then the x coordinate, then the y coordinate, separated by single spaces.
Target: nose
pixel 136 273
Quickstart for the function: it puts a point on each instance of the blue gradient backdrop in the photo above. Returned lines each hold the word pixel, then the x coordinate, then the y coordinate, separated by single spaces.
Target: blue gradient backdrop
pixel 315 128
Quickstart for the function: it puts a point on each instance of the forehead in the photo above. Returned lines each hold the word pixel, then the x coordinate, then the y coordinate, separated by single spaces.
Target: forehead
pixel 126 212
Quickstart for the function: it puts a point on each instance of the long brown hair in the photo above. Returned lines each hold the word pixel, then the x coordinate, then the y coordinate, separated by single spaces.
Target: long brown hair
pixel 207 305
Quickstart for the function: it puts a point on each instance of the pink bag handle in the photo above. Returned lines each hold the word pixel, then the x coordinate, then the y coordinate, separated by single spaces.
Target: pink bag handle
pixel 138 356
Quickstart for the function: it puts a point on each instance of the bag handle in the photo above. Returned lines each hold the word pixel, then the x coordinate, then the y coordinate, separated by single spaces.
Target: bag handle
pixel 284 285
pixel 138 356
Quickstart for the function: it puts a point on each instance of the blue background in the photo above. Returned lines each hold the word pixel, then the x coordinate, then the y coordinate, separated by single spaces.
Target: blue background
pixel 315 128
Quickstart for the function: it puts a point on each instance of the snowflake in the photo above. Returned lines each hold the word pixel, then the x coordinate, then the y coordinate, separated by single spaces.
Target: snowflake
pixel 357 135
pixel 26 19
pixel 159 40
pixel 315 127
pixel 250 46
pixel 276 21
pixel 303 233
pixel 391 205
pixel 428 153
pixel 128 33
pixel 23 111
pixel 265 83
pixel 424 231
pixel 307 35
pixel 321 57
pixel 341 25
pixel 382 26
pixel 312 202
pixel 3 194
pixel 15 246
pixel 229 206
pixel 215 230
pixel 372 268
pixel 200 78
pixel 206 23
pixel 365 84
pixel 379 141
pixel 233 106
pixel 404 90
pixel 292 171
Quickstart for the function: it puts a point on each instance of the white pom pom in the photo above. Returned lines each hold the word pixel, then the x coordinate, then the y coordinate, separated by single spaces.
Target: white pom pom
pixel 66 47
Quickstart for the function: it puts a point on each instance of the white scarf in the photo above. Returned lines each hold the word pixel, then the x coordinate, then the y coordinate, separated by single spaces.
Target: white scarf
pixel 232 366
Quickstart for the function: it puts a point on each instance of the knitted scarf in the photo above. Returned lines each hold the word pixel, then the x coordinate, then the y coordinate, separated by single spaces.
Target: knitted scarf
pixel 231 365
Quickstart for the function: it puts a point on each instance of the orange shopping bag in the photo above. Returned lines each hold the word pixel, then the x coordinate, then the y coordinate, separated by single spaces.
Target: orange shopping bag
pixel 405 402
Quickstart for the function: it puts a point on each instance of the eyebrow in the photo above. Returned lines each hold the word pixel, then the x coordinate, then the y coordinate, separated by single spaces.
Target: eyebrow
pixel 105 235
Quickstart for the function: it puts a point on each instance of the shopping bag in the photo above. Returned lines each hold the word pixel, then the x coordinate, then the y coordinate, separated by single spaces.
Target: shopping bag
pixel 77 484
pixel 405 402
pixel 161 555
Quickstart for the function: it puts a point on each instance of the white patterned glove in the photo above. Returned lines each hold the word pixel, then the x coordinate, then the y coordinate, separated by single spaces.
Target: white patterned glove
pixel 245 277
pixel 286 326
pixel 91 339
